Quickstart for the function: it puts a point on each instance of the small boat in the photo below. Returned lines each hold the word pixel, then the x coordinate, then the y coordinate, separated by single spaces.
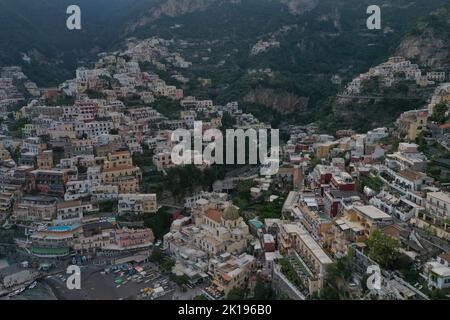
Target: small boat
pixel 33 285
pixel 16 292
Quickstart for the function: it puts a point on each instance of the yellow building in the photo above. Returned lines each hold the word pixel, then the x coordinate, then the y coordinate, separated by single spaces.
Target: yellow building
pixel 29 129
pixel 446 98
pixel 45 160
pixel 355 226
pixel 137 203
pixel 297 243
pixel 231 271
pixel 221 230
pixel 4 154
pixel 118 169
pixel 35 212
pixel 411 123
pixel 323 149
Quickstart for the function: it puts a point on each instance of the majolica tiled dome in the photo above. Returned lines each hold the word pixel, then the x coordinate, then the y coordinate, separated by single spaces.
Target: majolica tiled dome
pixel 231 213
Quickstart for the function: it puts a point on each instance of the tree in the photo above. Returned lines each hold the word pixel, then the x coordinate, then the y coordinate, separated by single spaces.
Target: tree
pixel 107 206
pixel 167 264
pixel 236 294
pixel 439 112
pixel 228 121
pixel 179 280
pixel 383 249
pixel 338 275
pixel 159 223
pixel 373 182
pixel 263 290
pixel 156 255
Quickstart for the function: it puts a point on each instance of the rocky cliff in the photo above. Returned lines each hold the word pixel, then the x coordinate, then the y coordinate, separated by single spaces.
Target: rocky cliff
pixel 171 8
pixel 298 7
pixel 280 100
pixel 176 8
pixel 429 42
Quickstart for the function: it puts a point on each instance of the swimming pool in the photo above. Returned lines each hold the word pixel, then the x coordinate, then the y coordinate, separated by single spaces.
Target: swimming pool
pixel 62 228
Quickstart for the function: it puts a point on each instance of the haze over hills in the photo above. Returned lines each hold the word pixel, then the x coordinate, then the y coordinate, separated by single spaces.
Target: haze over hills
pixel 309 43
pixel 38 29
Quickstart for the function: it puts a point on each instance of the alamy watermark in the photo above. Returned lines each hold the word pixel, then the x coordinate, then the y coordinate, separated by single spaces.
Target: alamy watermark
pixel 256 142
pixel 374 20
pixel 74 279
pixel 374 279
pixel 73 22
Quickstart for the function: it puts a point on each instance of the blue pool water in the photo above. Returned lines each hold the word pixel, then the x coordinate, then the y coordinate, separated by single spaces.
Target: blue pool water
pixel 61 228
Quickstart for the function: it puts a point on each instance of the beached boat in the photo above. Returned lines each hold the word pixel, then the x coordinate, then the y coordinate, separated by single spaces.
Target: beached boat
pixel 33 285
pixel 16 292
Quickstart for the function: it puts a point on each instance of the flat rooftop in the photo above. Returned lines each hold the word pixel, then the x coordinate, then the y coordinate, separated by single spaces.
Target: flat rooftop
pixel 372 212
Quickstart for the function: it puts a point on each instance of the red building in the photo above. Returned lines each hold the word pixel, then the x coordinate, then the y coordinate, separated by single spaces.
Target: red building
pixel 268 243
pixel 343 182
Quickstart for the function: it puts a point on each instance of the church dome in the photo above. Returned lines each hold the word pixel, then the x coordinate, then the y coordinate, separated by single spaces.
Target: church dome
pixel 231 213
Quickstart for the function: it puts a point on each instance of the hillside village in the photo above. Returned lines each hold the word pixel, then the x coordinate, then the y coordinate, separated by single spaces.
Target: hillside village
pixel 86 175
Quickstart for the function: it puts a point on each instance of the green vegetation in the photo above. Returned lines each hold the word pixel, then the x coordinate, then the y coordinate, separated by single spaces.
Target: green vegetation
pixel 7 243
pixel 383 249
pixel 270 210
pixel 61 100
pixel 168 107
pixel 159 222
pixel 373 182
pixel 257 207
pixel 107 206
pixel 92 94
pixel 263 290
pixel 364 115
pixel 236 294
pixel 228 121
pixel 439 166
pixel 439 113
pixel 179 280
pixel 54 50
pixel 337 278
pixel 160 258
pixel 242 197
pixel 184 180
pixel 439 294
pixel 15 126
pixel 288 270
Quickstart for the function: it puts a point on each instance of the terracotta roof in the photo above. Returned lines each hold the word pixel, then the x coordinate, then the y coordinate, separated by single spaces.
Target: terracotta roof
pixel 118 168
pixel 410 174
pixel 214 215
pixel 115 153
pixel 68 204
pixel 445 126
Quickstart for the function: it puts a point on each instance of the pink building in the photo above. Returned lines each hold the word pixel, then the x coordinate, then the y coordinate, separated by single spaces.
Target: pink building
pixel 126 238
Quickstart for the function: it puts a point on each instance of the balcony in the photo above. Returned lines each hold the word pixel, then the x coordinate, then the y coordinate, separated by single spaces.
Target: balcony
pixel 434 220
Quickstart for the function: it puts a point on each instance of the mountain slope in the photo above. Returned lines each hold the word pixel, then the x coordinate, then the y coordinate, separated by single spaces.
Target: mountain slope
pixel 429 42
pixel 38 29
pixel 329 38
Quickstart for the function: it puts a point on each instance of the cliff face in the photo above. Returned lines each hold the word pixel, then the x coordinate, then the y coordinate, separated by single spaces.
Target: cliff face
pixel 429 42
pixel 428 50
pixel 171 8
pixel 176 8
pixel 297 7
pixel 280 100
